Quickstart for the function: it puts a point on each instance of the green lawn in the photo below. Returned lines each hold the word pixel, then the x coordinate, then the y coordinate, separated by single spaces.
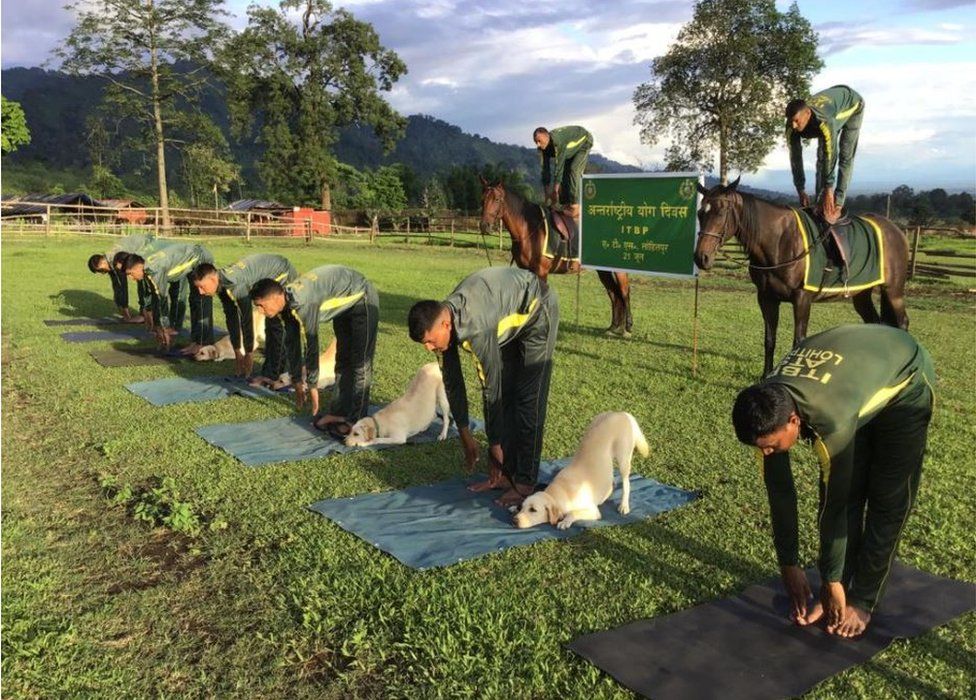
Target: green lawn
pixel 264 599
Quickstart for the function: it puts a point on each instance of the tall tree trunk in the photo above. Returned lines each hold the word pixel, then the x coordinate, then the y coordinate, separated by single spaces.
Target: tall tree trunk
pixel 326 197
pixel 158 129
pixel 723 164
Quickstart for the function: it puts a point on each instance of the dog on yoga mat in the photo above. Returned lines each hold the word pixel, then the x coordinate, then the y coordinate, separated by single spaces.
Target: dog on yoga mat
pixel 326 370
pixel 223 349
pixel 408 415
pixel 577 491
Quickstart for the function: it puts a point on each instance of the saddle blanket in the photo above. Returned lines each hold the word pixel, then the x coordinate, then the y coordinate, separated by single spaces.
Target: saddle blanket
pixel 865 254
pixel 556 245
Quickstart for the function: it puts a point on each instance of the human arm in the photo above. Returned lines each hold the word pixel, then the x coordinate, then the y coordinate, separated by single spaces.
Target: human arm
pixel 835 488
pixel 796 165
pixel 457 399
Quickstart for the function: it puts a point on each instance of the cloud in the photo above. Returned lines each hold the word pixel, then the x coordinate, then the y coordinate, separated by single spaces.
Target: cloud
pixel 927 5
pixel 836 36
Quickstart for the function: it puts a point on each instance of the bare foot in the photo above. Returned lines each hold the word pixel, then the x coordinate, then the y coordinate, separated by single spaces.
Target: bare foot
pixel 854 623
pixel 815 613
pixel 514 496
pixel 489 484
pixel 329 418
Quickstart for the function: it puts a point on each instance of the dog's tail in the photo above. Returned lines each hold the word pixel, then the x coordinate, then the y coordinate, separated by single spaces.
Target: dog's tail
pixel 640 442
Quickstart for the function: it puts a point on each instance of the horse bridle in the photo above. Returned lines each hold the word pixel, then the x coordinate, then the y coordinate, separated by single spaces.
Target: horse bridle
pixel 499 201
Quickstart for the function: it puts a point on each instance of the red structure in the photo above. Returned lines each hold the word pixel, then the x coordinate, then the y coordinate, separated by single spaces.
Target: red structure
pixel 321 221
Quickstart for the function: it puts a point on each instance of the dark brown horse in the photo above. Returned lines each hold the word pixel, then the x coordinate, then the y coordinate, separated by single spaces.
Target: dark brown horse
pixel 527 227
pixel 770 235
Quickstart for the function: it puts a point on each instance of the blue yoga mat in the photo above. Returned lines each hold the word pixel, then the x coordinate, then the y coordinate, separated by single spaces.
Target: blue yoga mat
pixel 444 523
pixel 291 439
pixel 172 390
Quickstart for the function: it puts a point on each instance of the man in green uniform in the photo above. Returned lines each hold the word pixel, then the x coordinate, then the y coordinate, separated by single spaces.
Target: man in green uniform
pixel 563 152
pixel 232 285
pixel 507 319
pixel 112 264
pixel 863 395
pixel 833 117
pixel 165 273
pixel 327 293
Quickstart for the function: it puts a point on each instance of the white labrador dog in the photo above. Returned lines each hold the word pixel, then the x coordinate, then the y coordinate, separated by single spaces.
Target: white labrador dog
pixel 223 349
pixel 408 415
pixel 577 491
pixel 326 369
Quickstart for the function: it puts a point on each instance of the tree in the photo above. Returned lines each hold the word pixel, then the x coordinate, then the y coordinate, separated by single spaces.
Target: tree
pixel 305 81
pixel 134 45
pixel 106 184
pixel 207 170
pixel 13 126
pixel 724 83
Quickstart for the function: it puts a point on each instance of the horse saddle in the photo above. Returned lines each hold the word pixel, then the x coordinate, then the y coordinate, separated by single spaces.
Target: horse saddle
pixel 564 223
pixel 836 237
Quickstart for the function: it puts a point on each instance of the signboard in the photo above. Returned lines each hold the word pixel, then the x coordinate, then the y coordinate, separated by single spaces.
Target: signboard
pixel 646 223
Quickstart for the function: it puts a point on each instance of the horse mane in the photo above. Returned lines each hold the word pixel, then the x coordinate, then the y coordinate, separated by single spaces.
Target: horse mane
pixel 517 204
pixel 749 218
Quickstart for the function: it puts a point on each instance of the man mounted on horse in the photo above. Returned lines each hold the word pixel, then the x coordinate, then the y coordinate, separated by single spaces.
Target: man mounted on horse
pixel 833 117
pixel 564 152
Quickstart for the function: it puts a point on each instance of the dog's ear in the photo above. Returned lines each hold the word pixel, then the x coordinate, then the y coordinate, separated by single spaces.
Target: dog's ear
pixel 554 513
pixel 370 429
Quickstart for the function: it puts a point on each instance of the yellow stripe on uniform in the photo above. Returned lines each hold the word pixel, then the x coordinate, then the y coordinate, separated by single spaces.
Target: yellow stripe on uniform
pixel 282 277
pixel 574 144
pixel 336 302
pixel 182 267
pixel 828 142
pixel 823 456
pixel 848 112
pixel 883 396
pixel 515 320
pixel 482 377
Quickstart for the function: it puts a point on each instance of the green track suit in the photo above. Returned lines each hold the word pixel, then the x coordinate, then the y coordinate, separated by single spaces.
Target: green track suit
pixel 864 397
pixel 170 290
pixel 507 320
pixel 835 123
pixel 234 293
pixel 140 244
pixel 343 296
pixel 564 160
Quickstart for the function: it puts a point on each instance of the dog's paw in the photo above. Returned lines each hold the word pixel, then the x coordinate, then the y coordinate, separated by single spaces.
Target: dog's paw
pixel 623 508
pixel 564 524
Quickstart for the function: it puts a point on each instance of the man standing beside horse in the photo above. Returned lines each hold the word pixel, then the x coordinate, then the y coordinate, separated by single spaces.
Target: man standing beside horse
pixel 564 152
pixel 863 396
pixel 507 320
pixel 833 117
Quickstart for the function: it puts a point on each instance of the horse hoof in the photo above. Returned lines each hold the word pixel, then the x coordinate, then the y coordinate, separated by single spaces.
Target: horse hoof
pixel 618 333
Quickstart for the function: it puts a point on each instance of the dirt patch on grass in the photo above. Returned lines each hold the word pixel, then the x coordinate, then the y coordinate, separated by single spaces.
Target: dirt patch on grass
pixel 169 556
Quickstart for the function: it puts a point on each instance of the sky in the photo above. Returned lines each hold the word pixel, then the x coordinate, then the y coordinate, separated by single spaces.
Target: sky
pixel 499 68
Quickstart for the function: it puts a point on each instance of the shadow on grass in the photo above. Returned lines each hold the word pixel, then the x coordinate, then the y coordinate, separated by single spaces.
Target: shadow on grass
pixel 82 303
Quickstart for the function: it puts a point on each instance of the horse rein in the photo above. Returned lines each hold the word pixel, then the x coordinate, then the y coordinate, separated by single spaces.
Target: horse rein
pixel 723 237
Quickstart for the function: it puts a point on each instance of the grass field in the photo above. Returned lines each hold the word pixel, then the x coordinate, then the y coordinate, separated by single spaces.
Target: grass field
pixel 140 562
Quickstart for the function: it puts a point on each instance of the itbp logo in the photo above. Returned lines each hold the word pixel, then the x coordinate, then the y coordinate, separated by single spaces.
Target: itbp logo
pixel 589 190
pixel 687 189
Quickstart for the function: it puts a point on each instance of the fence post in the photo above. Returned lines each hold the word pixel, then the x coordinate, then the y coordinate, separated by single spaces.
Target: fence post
pixel 156 224
pixel 406 236
pixel 374 228
pixel 47 226
pixel 308 230
pixel 452 233
pixel 918 232
pixel 247 228
pixel 499 234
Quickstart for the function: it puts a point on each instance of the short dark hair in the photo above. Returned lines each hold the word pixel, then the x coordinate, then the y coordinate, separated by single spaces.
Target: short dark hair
pixel 118 262
pixel 793 107
pixel 761 409
pixel 266 287
pixel 94 261
pixel 539 130
pixel 422 317
pixel 202 270
pixel 132 260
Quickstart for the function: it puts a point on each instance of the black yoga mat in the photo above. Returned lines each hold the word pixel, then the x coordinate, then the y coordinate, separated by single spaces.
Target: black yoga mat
pixel 103 321
pixel 132 357
pixel 745 647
